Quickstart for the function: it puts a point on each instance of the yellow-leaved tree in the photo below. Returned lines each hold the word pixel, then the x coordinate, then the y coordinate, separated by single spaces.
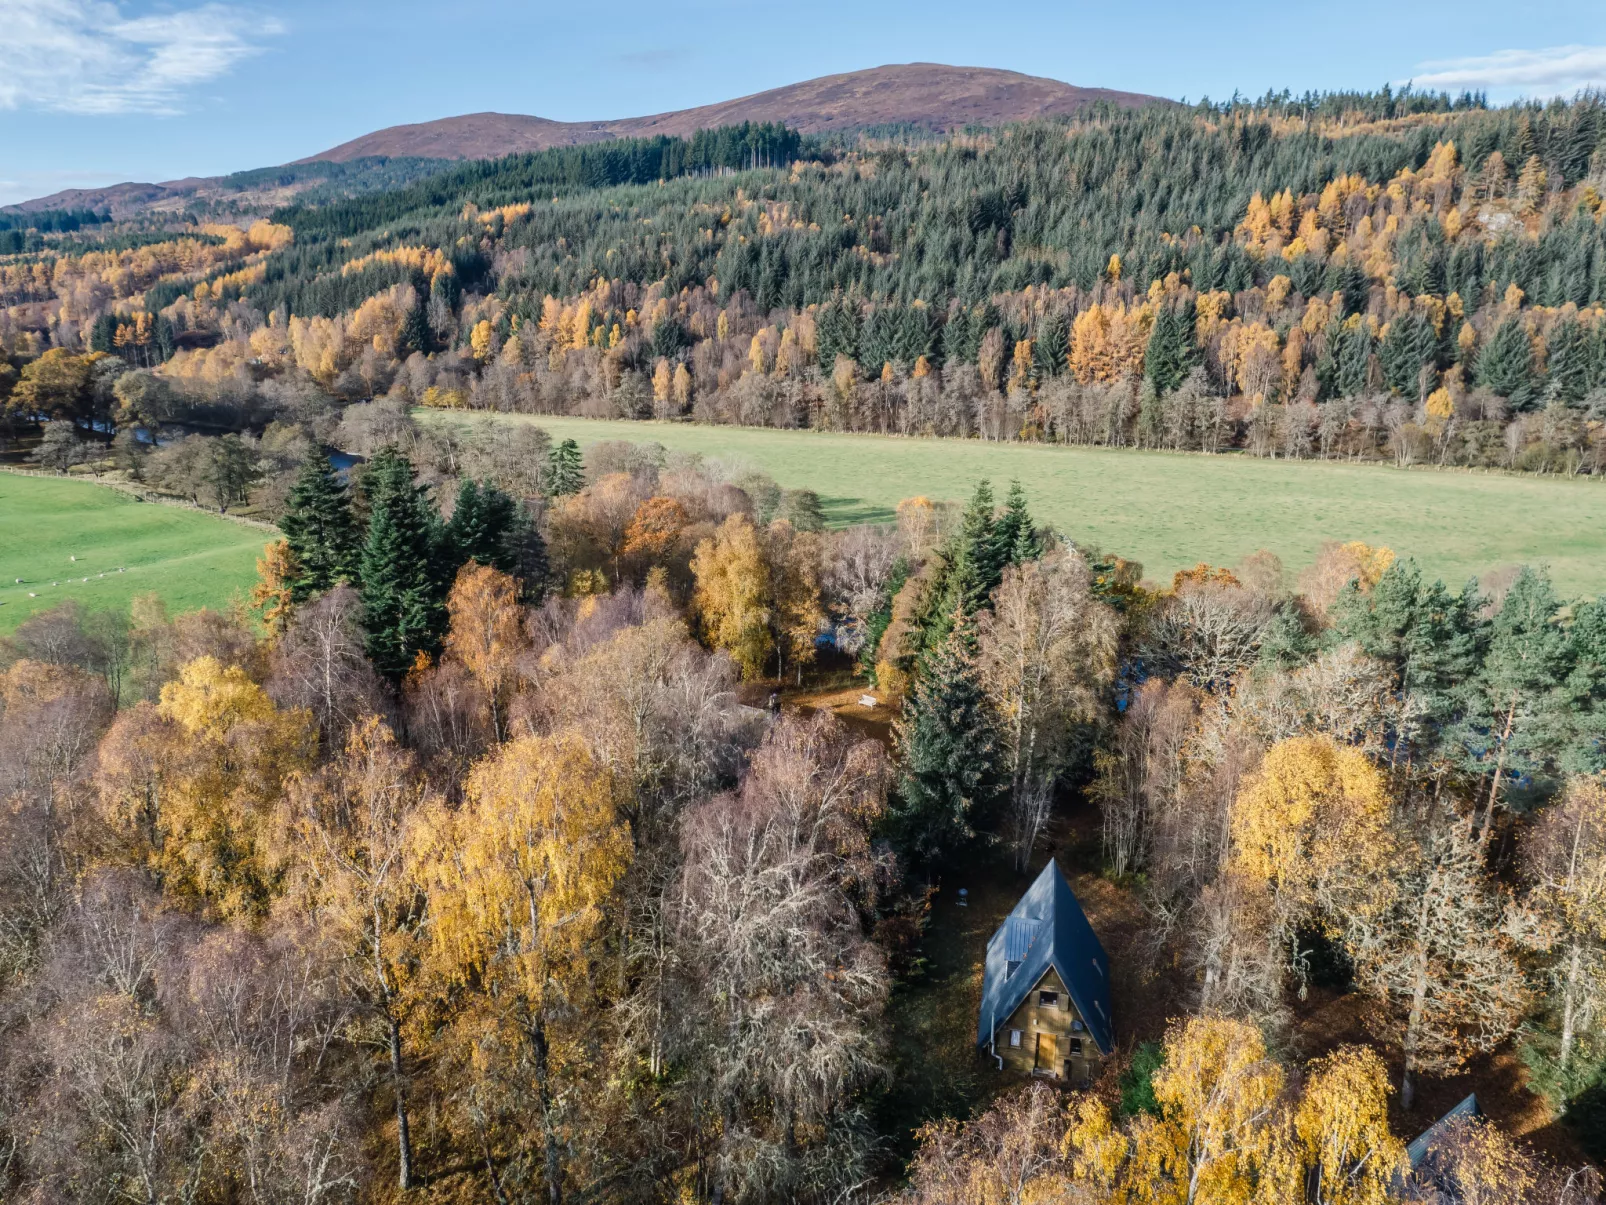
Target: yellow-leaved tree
pixel 517 879
pixel 487 634
pixel 190 783
pixel 1223 1130
pixel 1312 825
pixel 732 580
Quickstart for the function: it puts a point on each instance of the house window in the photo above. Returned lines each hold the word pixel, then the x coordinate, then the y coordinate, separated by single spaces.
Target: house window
pixel 1076 1046
pixel 1014 1038
pixel 1048 999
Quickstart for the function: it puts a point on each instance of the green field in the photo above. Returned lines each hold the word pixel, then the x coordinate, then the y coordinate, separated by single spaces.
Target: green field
pixel 1172 510
pixel 190 558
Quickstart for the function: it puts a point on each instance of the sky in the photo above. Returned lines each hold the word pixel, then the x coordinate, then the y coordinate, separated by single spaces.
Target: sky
pixel 94 92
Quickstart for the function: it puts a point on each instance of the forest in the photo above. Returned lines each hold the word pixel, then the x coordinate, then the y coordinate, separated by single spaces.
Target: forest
pixel 527 833
pixel 1392 277
pixel 469 862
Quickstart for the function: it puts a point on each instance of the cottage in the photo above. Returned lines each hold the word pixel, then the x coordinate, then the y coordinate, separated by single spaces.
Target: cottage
pixel 1045 1002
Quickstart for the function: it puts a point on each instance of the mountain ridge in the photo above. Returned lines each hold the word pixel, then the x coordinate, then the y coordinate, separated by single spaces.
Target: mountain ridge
pixel 932 96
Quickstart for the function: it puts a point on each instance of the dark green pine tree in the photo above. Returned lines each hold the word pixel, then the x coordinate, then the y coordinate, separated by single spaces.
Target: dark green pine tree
pixel 491 527
pixel 975 567
pixel 479 526
pixel 403 605
pixel 1568 361
pixel 565 470
pixel 318 526
pixel 1172 349
pixel 947 754
pixel 1505 364
pixel 1014 534
pixel 414 331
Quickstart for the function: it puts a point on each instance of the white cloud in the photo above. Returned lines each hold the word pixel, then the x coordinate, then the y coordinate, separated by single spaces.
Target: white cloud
pixel 1556 71
pixel 86 56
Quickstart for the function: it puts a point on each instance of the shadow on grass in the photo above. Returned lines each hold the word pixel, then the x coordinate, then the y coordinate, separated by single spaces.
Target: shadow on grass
pixel 845 512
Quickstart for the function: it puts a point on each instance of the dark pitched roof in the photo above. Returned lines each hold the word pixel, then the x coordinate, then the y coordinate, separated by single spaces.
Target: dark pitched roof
pixel 1047 929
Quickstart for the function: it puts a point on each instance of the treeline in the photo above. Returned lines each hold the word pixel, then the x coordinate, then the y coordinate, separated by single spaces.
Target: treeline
pixel 52 221
pixel 522 178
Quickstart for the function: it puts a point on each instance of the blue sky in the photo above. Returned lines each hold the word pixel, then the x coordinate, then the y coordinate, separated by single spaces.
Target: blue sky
pixel 98 91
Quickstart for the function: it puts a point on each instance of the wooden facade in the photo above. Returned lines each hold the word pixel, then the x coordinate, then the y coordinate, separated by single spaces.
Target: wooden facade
pixel 1047 1036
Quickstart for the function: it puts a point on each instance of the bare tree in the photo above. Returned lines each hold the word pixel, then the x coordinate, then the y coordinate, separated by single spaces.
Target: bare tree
pixel 1440 957
pixel 319 663
pixel 782 984
pixel 1210 631
pixel 1046 657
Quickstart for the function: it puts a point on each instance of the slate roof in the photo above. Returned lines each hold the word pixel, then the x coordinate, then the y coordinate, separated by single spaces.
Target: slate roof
pixel 1047 929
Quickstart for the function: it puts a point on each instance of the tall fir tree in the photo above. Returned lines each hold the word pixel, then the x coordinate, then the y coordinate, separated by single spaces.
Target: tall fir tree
pixel 403 596
pixel 565 470
pixel 1172 349
pixel 1506 363
pixel 318 526
pixel 947 753
pixel 975 566
pixel 491 527
pixel 1014 535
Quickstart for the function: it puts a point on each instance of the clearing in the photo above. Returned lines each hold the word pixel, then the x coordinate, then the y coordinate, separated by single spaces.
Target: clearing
pixel 1171 510
pixel 190 558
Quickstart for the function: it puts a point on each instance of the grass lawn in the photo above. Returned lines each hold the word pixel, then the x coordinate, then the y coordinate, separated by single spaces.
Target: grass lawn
pixel 1172 510
pixel 190 558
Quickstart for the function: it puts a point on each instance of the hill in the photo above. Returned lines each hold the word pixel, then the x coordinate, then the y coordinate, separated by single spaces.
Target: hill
pixel 928 95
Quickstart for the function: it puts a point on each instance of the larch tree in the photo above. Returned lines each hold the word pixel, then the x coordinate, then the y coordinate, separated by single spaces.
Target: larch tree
pixel 487 634
pixel 517 880
pixel 793 590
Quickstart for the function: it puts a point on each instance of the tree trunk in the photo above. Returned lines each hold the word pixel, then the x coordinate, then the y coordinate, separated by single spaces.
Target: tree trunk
pixel 404 1136
pixel 1499 769
pixel 1569 1011
pixel 543 1088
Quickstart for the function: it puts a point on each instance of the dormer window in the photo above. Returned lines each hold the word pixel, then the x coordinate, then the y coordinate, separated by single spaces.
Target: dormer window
pixel 1014 965
pixel 1048 999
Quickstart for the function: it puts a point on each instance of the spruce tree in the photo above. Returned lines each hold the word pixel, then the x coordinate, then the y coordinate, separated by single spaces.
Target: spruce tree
pixel 1505 365
pixel 490 527
pixel 947 753
pixel 317 525
pixel 1014 535
pixel 565 471
pixel 403 603
pixel 479 526
pixel 975 567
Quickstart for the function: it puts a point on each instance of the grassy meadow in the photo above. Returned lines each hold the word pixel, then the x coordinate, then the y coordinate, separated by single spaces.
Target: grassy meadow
pixel 190 558
pixel 1171 510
